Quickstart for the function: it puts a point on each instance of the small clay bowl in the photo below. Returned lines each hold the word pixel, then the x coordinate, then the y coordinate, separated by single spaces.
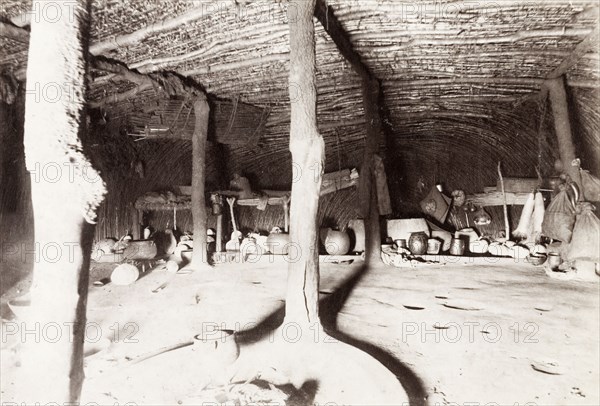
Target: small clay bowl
pixel 536 259
pixel 20 307
pixel 186 255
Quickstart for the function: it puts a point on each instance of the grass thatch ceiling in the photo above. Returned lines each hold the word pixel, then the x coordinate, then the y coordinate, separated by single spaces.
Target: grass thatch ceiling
pixel 439 62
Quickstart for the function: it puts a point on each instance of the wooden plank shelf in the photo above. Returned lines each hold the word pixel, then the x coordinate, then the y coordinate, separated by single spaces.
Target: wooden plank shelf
pixel 141 205
pixel 496 199
pixel 517 192
pixel 268 258
pixel 272 201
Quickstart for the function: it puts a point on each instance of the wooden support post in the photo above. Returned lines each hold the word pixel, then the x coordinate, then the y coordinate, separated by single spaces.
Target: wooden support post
pixel 562 126
pixel 201 112
pixel 308 155
pixel 64 208
pixel 371 91
pixel 367 189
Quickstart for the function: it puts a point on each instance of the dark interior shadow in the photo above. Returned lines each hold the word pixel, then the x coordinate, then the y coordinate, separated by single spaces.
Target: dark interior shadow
pixel 262 329
pixel 303 396
pixel 329 307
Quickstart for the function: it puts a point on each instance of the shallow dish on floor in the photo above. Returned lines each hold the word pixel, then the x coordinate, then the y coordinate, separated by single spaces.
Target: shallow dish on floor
pixel 20 306
pixel 536 259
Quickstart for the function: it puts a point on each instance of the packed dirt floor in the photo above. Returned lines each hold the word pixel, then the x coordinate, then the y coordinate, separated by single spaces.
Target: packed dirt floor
pixel 477 334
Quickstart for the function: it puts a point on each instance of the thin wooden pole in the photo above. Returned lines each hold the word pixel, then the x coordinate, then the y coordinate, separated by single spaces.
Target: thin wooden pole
pixel 201 112
pixel 136 219
pixel 562 126
pixel 308 156
pixel 219 236
pixel 504 206
pixel 64 204
pixel 286 214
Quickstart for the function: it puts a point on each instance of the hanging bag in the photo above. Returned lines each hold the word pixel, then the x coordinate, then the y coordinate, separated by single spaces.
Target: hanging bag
pixel 560 216
pixel 586 235
pixel 591 186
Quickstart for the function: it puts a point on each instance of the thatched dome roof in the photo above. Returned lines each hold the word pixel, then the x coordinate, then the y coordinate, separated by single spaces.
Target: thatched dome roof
pixel 460 80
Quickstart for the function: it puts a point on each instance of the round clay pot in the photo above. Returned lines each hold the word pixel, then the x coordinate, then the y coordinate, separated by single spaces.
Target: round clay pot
pixel 457 246
pixel 539 249
pixel 172 266
pixel 536 259
pixel 417 243
pixel 20 306
pixel 499 250
pixel 125 274
pixel 519 252
pixel 479 246
pixel 401 246
pixel 103 247
pixel 216 350
pixel 278 243
pixel 444 236
pixel 186 255
pixel 401 243
pixel 469 234
pixel 140 249
pixel 554 260
pixel 433 246
pixel 335 242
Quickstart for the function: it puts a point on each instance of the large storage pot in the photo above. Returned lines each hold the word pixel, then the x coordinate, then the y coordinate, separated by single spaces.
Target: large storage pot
pixel 335 242
pixel 278 243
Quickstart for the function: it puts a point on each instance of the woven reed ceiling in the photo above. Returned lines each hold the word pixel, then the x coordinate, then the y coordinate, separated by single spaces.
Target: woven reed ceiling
pixel 434 58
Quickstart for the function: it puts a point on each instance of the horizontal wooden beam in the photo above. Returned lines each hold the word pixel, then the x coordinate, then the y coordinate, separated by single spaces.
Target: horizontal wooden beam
pixel 481 40
pixel 581 51
pixel 589 44
pixel 120 97
pixel 245 63
pixel 213 49
pixel 206 9
pixel 121 71
pixel 423 7
pixel 16 32
pixel 324 13
pixel 468 80
pixel 529 82
pixel 170 84
pixel 98 48
pixel 280 201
